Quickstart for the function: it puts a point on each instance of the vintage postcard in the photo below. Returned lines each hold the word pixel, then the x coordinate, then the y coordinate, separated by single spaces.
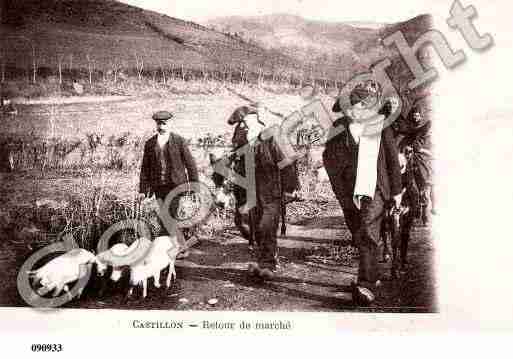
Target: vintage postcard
pixel 269 167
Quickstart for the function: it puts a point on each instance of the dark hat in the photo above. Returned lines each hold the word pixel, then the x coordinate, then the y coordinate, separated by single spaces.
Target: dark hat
pixel 239 114
pixel 357 95
pixel 162 116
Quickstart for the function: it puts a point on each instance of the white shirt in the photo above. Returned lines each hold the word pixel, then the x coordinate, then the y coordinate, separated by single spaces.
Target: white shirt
pixel 162 139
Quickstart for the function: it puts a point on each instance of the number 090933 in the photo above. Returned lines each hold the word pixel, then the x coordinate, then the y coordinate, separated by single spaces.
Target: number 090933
pixel 46 347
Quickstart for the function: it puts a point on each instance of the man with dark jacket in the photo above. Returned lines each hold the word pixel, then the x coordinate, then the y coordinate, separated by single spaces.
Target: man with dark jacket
pixel 167 163
pixel 269 179
pixel 340 157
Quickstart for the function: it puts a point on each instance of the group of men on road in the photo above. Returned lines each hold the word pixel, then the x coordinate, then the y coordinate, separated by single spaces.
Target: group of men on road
pixel 363 169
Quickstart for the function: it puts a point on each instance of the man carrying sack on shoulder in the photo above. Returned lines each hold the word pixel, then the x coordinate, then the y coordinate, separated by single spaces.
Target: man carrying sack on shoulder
pixel 363 167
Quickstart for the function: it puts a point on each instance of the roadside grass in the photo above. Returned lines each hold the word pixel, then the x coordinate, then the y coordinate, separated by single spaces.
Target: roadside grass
pixel 103 176
pixel 84 200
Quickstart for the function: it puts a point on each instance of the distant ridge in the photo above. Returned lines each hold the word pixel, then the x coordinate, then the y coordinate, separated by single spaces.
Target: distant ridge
pixel 107 35
pixel 340 49
pixel 110 32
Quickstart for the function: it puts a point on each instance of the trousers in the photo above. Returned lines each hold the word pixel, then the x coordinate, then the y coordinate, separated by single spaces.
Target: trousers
pixel 267 222
pixel 365 227
pixel 182 234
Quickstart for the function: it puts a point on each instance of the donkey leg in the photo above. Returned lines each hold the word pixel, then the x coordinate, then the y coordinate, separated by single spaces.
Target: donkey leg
pixel 405 239
pixel 384 239
pixel 145 287
pixel 68 293
pixel 170 274
pixel 395 234
pixel 156 279
pixel 283 208
pixel 252 230
pixel 242 227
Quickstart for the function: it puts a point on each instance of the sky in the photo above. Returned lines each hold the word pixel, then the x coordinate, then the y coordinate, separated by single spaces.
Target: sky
pixel 337 11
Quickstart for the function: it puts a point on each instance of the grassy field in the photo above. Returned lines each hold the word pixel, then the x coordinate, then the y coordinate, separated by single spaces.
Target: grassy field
pixel 94 149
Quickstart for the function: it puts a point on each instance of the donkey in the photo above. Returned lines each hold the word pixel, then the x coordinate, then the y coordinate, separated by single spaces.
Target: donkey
pixel 226 193
pixel 398 221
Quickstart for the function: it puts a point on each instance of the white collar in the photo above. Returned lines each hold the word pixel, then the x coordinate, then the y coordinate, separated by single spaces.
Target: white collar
pixel 162 139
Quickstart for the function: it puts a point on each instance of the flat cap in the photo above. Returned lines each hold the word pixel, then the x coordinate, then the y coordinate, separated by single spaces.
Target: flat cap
pixel 162 115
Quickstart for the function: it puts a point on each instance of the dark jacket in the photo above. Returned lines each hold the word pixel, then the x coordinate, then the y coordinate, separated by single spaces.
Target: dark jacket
pixel 270 179
pixel 340 159
pixel 181 165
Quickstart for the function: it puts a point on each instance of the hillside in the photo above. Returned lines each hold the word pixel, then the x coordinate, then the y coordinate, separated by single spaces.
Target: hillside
pixel 325 44
pixel 339 49
pixel 108 34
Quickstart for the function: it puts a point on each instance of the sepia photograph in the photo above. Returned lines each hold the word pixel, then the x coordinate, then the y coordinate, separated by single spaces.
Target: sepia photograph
pixel 262 159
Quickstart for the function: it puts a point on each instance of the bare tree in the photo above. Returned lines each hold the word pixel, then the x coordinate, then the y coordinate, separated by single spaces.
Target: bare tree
pixel 225 71
pixel 260 76
pixel 183 72
pixel 163 71
pixel 139 64
pixel 115 66
pixel 204 73
pixel 60 59
pixel 34 64
pixel 171 72
pixel 90 66
pixel 242 72
pixel 301 74
pixel 3 68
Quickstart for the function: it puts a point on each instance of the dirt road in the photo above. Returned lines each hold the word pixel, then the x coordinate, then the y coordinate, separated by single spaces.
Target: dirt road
pixel 216 269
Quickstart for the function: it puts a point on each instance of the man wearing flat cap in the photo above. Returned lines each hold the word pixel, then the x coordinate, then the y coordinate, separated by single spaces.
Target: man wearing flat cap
pixel 364 173
pixel 167 163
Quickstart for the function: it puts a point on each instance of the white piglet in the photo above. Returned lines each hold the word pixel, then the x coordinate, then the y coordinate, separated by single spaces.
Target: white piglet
pixel 162 254
pixel 119 255
pixel 62 270
pixel 108 258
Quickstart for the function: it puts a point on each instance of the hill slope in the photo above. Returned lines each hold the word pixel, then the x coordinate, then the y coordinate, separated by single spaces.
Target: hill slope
pixel 110 34
pixel 312 42
pixel 339 49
